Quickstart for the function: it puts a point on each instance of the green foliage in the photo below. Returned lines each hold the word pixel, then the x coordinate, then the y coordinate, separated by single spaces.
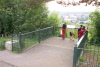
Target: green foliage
pixel 53 19
pixel 95 29
pixel 25 16
pixel 81 59
pixel 2 43
pixel 74 31
pixel 99 62
pixel 15 48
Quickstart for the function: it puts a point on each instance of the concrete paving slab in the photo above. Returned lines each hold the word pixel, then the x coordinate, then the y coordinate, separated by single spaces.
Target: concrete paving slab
pixel 5 64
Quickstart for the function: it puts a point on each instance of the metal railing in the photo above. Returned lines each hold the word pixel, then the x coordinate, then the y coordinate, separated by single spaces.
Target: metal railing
pixel 86 54
pixel 30 39
pixel 77 51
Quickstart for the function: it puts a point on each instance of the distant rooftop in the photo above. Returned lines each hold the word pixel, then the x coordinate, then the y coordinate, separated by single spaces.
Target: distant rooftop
pixel 70 26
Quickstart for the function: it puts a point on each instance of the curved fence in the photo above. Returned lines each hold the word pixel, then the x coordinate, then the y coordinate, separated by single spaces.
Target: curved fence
pixel 30 39
pixel 86 54
pixel 78 49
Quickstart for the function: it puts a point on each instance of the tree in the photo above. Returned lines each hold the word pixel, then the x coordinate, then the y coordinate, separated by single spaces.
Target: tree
pixel 24 16
pixel 6 24
pixel 95 23
pixel 54 19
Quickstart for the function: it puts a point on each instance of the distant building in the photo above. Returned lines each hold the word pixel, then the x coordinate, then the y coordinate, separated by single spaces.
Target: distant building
pixel 70 26
pixel 80 17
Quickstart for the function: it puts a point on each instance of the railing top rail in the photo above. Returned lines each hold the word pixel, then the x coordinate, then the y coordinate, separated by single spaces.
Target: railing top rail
pixel 29 32
pixel 41 30
pixel 58 26
pixel 46 28
pixel 36 31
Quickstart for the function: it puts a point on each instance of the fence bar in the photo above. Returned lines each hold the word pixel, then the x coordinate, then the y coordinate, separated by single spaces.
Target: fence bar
pixel 39 37
pixel 46 28
pixel 53 30
pixel 75 56
pixel 20 42
pixel 89 64
pixel 78 49
pixel 12 42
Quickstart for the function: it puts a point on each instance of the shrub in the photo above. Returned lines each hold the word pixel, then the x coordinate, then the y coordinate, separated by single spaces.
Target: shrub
pixel 2 44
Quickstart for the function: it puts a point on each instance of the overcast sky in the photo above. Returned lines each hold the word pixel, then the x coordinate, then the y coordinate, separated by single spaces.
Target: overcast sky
pixel 53 6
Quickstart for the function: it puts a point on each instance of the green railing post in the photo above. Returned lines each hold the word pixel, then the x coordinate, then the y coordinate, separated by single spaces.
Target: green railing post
pixel 39 37
pixel 53 30
pixel 87 36
pixel 75 56
pixel 12 42
pixel 20 42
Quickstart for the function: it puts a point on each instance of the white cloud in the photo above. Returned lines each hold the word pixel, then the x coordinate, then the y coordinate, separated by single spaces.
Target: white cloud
pixel 53 6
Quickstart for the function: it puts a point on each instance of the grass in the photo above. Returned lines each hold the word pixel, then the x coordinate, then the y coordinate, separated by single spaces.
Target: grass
pixel 99 62
pixel 92 55
pixel 26 44
pixel 15 48
pixel 2 42
pixel 5 39
pixel 94 49
pixel 81 59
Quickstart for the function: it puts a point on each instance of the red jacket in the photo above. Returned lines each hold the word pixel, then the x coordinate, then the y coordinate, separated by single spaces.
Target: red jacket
pixel 80 33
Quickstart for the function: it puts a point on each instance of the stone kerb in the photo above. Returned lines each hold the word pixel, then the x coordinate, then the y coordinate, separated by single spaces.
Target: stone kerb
pixel 8 44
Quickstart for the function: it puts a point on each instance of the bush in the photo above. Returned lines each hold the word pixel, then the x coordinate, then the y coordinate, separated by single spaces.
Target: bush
pixel 95 27
pixel 2 44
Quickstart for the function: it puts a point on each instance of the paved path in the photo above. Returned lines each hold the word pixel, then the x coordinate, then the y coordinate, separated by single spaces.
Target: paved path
pixel 53 52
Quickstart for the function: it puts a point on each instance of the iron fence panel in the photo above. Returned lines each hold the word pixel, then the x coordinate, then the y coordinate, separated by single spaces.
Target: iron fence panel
pixel 77 53
pixel 90 56
pixel 15 45
pixel 46 33
pixel 29 40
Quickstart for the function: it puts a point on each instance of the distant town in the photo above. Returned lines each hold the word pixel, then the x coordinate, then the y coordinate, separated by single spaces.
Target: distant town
pixel 75 17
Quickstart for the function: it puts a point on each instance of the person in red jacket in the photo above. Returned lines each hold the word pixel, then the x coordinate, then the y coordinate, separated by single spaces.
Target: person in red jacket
pixel 81 32
pixel 81 26
pixel 64 30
